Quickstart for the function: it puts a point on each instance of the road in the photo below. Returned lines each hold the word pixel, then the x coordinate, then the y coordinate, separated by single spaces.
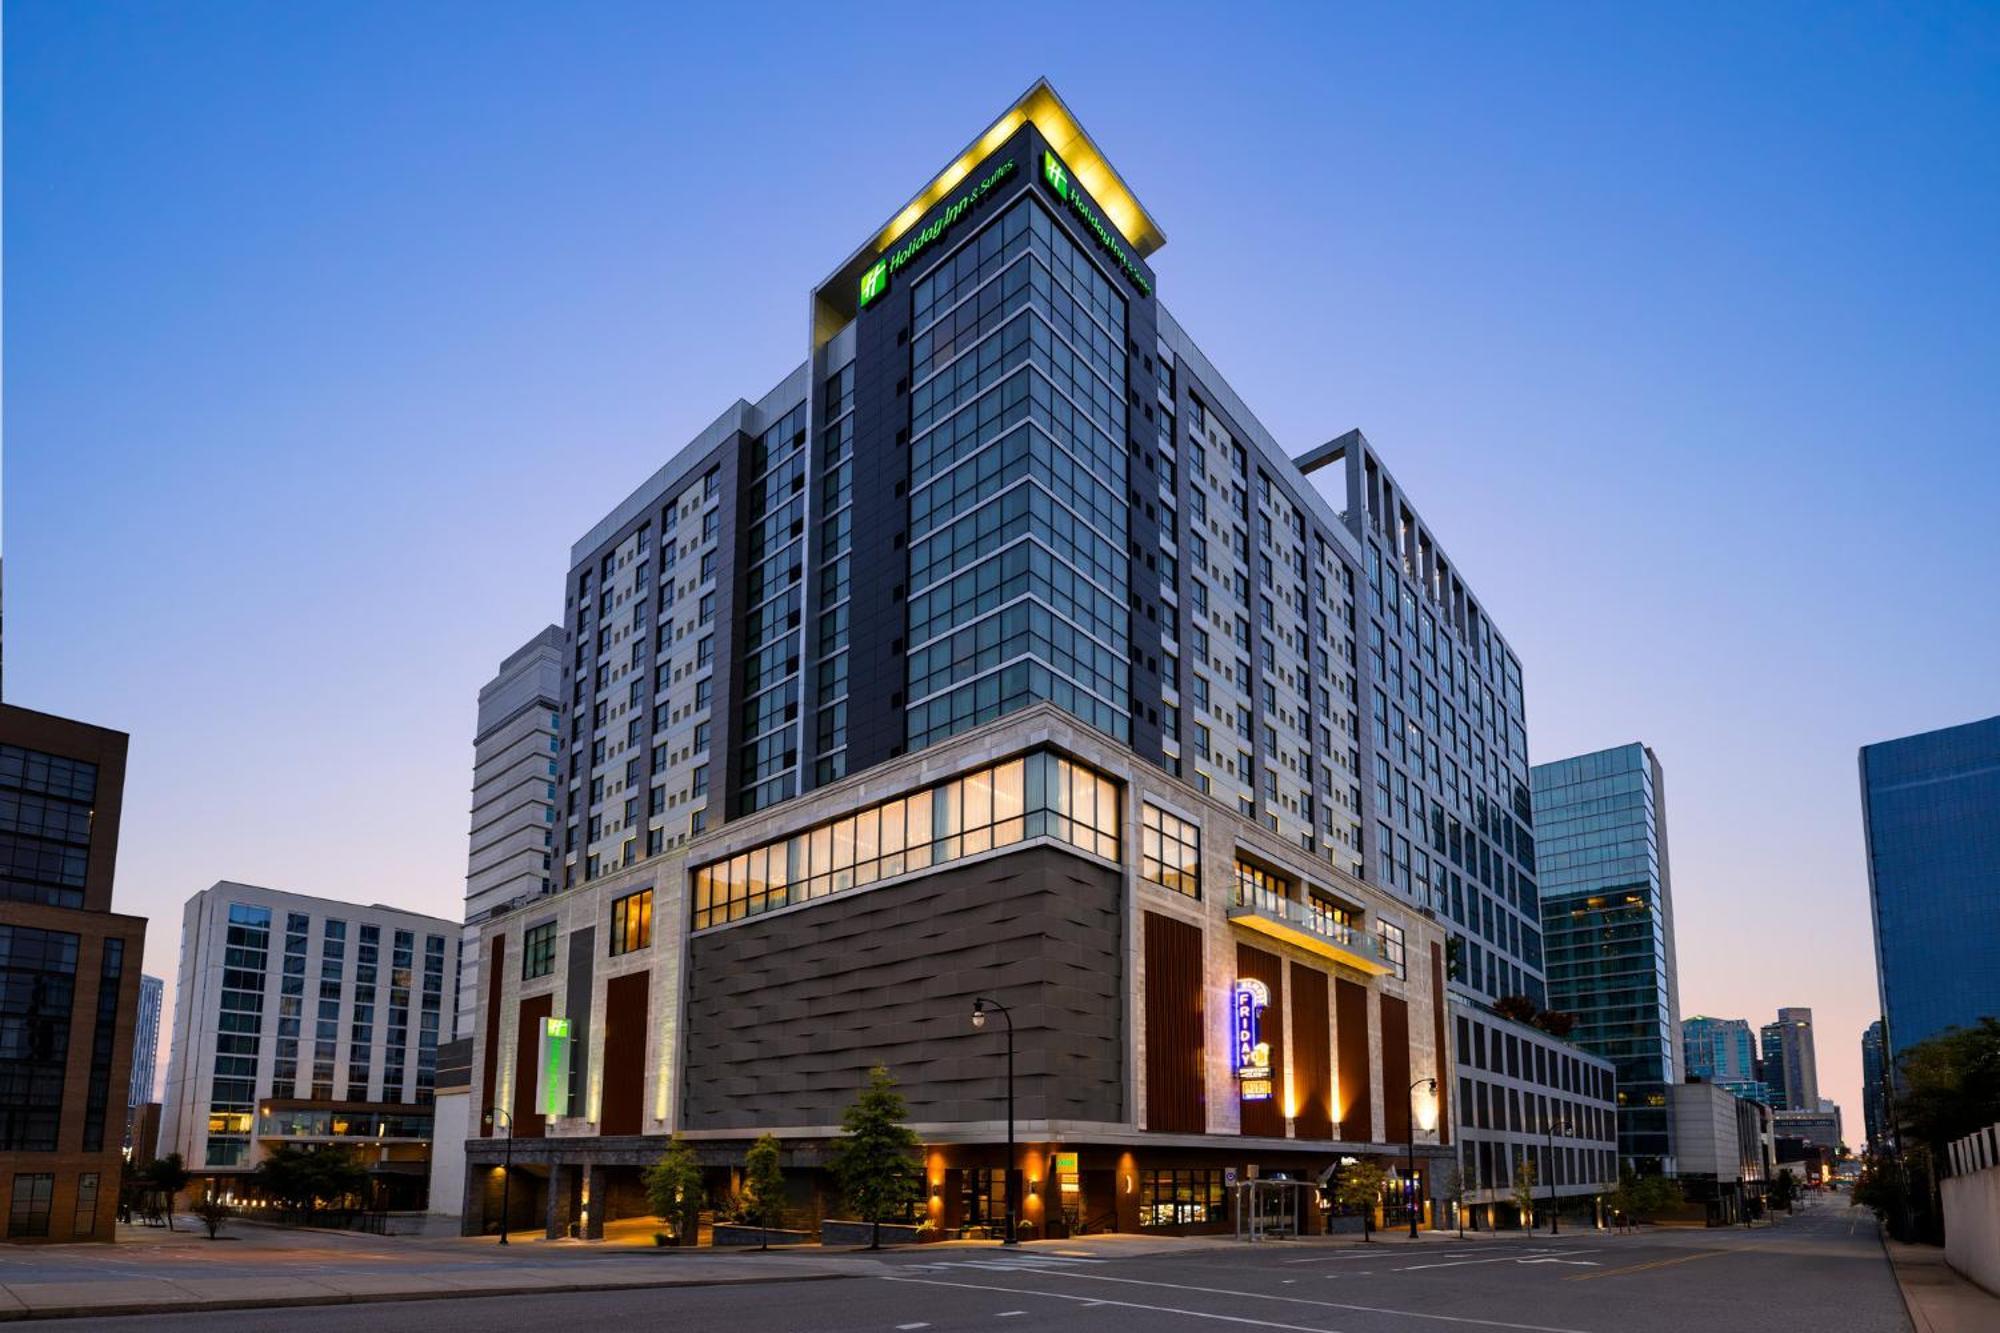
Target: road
pixel 1821 1272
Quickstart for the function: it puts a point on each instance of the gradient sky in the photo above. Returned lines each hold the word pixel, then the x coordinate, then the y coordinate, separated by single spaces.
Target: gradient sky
pixel 328 328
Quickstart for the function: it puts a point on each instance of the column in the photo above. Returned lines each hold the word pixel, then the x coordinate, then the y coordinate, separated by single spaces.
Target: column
pixel 597 1186
pixel 562 1201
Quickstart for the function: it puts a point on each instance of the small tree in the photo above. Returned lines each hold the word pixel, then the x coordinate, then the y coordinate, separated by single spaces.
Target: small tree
pixel 673 1188
pixel 1783 1190
pixel 764 1178
pixel 1555 1022
pixel 1524 1192
pixel 1517 1007
pixel 875 1161
pixel 167 1176
pixel 1359 1186
pixel 1454 1188
pixel 213 1212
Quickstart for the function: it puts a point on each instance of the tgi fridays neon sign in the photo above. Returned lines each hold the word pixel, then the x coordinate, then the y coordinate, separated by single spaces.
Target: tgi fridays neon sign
pixel 1253 1053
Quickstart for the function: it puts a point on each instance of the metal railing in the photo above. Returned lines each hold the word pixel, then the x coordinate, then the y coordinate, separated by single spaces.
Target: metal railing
pixel 1311 917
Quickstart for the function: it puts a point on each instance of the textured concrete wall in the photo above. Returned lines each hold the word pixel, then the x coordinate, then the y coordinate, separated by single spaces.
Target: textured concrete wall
pixel 785 1014
pixel 1972 1226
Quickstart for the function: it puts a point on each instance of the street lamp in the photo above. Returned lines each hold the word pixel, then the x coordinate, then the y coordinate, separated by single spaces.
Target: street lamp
pixel 1415 1202
pixel 979 1007
pixel 507 1171
pixel 1555 1213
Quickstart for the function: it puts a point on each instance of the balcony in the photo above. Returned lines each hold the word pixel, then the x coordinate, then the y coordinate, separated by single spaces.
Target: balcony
pixel 1307 927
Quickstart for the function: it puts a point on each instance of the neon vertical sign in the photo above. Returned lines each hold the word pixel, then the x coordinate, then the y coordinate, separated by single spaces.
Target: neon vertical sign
pixel 1253 1054
pixel 552 1068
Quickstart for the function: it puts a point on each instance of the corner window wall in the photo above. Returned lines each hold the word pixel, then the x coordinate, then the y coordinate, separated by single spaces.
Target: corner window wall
pixel 1040 795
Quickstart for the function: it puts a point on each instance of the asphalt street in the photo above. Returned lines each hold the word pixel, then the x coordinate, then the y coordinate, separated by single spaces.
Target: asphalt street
pixel 1822 1271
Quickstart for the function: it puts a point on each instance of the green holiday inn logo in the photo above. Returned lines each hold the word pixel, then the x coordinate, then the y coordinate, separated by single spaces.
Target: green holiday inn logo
pixel 875 281
pixel 1056 176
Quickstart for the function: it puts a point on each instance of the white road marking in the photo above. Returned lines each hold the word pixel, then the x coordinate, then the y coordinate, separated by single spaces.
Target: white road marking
pixel 1303 1300
pixel 905 1328
pixel 1126 1305
pixel 1010 1314
pixel 1499 1259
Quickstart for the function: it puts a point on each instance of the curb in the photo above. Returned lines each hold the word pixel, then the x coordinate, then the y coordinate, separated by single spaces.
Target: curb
pixel 386 1297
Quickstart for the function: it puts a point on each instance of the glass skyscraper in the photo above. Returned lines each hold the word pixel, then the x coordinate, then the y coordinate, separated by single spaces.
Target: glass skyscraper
pixel 1608 925
pixel 1931 808
pixel 1722 1051
pixel 1873 1065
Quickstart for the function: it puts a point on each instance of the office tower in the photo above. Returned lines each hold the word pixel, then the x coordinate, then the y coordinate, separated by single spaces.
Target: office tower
pixel 515 747
pixel 306 1020
pixel 1721 1051
pixel 1004 538
pixel 145 1050
pixel 69 978
pixel 1930 806
pixel 1874 1084
pixel 1608 916
pixel 1791 1062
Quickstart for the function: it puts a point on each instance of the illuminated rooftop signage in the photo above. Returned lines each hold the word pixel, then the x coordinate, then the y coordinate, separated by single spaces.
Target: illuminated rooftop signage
pixel 1056 176
pixel 1253 1053
pixel 875 279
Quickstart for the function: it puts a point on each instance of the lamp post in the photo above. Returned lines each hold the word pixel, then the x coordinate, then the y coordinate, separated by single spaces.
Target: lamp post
pixel 1555 1213
pixel 979 1007
pixel 506 1171
pixel 1415 1203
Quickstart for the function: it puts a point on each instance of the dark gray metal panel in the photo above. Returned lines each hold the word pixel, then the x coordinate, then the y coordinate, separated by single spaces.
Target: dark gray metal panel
pixel 576 1005
pixel 785 1016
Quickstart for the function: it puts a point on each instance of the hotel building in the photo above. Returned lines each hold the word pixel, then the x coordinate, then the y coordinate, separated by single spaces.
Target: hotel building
pixel 310 1021
pixel 999 650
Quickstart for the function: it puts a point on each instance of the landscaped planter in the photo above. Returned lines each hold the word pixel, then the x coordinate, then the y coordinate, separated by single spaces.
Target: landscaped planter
pixel 736 1233
pixel 833 1232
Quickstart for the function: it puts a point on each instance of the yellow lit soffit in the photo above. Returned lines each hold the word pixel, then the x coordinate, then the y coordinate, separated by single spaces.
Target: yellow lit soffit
pixel 1041 107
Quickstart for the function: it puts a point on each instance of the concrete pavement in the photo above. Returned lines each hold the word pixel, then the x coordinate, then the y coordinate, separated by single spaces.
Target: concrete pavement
pixel 1938 1299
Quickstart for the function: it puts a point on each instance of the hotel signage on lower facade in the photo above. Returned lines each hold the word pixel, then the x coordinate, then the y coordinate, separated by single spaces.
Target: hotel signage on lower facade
pixel 552 1068
pixel 1253 1053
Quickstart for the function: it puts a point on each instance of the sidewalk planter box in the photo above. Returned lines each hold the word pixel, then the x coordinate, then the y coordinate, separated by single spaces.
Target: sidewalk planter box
pixel 832 1232
pixel 733 1233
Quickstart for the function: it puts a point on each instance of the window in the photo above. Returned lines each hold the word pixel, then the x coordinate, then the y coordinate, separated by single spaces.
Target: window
pixel 538 951
pixel 1181 1198
pixel 1169 851
pixel 1392 948
pixel 1039 796
pixel 29 1214
pixel 84 1223
pixel 632 922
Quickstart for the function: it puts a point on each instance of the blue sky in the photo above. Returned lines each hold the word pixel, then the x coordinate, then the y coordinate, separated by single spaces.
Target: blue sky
pixel 328 328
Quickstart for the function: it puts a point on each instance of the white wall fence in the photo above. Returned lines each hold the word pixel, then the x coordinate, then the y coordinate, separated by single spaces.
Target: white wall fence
pixel 1972 1207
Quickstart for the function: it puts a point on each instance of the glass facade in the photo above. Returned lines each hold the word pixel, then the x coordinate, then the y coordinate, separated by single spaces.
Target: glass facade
pixel 1932 808
pixel 37 990
pixel 1169 851
pixel 1018 526
pixel 774 612
pixel 45 810
pixel 1607 912
pixel 240 1026
pixel 1039 795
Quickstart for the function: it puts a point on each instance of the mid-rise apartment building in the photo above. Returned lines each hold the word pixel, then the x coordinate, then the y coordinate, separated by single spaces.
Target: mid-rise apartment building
pixel 1930 806
pixel 1790 1060
pixel 69 977
pixel 1608 913
pixel 1007 511
pixel 306 1020
pixel 516 746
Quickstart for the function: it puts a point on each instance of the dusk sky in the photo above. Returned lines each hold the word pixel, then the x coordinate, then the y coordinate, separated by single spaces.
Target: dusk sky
pixel 329 328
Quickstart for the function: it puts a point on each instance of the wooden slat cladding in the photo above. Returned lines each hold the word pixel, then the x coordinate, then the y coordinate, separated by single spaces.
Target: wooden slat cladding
pixel 624 1106
pixel 1312 1055
pixel 1174 1027
pixel 1266 1119
pixel 488 1077
pixel 1440 1063
pixel 1350 1012
pixel 527 1052
pixel 1395 1070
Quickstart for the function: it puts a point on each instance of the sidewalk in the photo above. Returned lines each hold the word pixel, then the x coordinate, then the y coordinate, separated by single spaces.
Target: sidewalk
pixel 1939 1300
